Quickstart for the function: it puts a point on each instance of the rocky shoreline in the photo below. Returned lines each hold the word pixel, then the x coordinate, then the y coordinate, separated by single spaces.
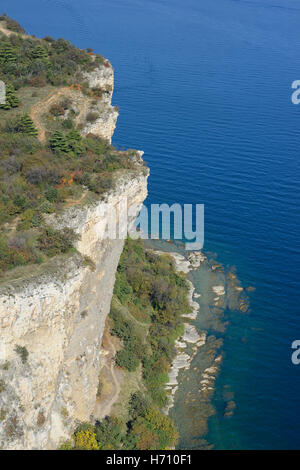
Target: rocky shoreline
pixel 190 342
pixel 213 290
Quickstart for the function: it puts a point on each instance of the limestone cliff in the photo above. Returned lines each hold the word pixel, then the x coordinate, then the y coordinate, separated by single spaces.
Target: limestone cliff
pixel 52 318
pixel 104 125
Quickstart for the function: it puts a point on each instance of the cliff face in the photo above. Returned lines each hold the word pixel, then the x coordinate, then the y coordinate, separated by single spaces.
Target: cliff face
pixel 52 320
pixel 104 125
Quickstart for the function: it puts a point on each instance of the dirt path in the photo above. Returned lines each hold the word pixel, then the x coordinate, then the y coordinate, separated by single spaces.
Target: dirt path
pixel 72 202
pixel 112 378
pixel 103 409
pixel 39 108
pixel 8 32
pixel 42 106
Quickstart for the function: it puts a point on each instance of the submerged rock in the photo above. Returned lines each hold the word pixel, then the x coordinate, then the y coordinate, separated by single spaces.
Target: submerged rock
pixel 219 290
pixel 250 289
pixel 196 258
pixel 229 410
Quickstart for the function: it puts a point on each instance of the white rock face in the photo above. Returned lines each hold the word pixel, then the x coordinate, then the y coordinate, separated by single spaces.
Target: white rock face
pixel 101 77
pixel 103 126
pixel 52 319
pixel 58 315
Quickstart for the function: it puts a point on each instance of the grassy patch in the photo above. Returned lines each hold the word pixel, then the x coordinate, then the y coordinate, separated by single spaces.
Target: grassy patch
pixel 131 384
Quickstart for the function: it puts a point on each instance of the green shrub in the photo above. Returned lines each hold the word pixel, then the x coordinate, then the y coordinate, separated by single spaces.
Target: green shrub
pixel 26 219
pixel 11 99
pixel 52 194
pixel 68 445
pixel 17 253
pixel 46 207
pixel 39 52
pixel 8 53
pixel 3 414
pixel 138 405
pixel 126 358
pixel 58 143
pixel 23 353
pixel 110 433
pixel 163 427
pixel 92 116
pixel 2 386
pixel 57 110
pixel 67 123
pixel 53 242
pixel 25 125
pixel 71 143
pixel 121 327
pixel 75 143
pixel 122 289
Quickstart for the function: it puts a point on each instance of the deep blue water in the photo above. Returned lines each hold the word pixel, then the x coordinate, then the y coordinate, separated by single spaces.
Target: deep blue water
pixel 204 88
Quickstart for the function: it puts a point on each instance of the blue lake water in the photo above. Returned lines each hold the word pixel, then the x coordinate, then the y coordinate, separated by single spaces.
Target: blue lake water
pixel 204 88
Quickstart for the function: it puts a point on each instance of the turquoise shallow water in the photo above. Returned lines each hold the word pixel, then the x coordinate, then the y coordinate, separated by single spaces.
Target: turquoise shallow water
pixel 204 88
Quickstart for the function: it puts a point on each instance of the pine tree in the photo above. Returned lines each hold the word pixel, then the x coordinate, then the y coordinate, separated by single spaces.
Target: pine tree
pixel 26 126
pixel 75 143
pixel 11 99
pixel 71 143
pixel 40 53
pixel 7 53
pixel 58 143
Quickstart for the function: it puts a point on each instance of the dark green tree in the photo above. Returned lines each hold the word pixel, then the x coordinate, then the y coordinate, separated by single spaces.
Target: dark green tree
pixel 58 143
pixel 7 53
pixel 11 99
pixel 75 143
pixel 26 126
pixel 39 52
pixel 71 144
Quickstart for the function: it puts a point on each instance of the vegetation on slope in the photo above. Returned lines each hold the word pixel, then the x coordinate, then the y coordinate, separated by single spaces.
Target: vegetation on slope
pixel 149 286
pixel 39 178
pixel 28 61
pixel 156 296
pixel 12 25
